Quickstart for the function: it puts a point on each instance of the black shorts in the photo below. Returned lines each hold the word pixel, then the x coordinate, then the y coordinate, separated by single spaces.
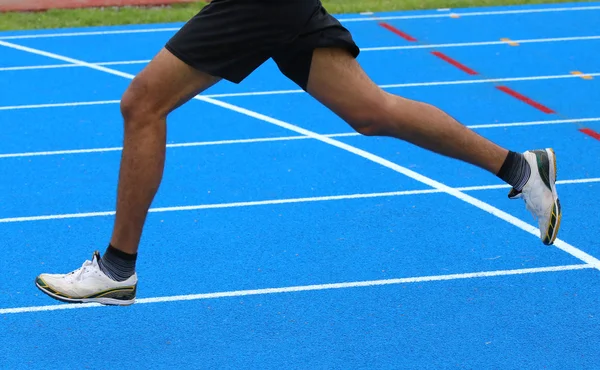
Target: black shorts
pixel 231 38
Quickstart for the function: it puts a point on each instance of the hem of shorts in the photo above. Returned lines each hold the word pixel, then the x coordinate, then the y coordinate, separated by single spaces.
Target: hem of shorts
pixel 184 58
pixel 349 46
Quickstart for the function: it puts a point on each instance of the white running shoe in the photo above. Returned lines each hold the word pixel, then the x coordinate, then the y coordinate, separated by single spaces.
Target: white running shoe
pixel 539 193
pixel 88 284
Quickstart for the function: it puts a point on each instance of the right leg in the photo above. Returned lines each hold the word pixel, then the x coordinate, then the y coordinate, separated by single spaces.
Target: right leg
pixel 228 39
pixel 165 84
pixel 162 86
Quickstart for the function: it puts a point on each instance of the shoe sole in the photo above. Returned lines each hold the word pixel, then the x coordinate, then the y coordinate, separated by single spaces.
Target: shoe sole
pixel 104 301
pixel 556 216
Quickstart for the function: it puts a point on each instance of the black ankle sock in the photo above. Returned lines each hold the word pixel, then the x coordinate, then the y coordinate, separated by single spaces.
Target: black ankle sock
pixel 117 264
pixel 515 170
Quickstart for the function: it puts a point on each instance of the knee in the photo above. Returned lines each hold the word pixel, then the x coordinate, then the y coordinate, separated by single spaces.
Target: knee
pixel 137 106
pixel 372 118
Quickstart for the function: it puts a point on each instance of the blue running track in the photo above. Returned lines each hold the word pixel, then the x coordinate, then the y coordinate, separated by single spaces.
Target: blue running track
pixel 270 249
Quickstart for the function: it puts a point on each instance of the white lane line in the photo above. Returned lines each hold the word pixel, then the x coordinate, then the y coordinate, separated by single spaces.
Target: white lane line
pixel 496 80
pixel 90 33
pixel 45 66
pixel 306 288
pixel 66 59
pixel 279 201
pixel 475 14
pixel 365 19
pixel 175 145
pixel 533 230
pixel 59 105
pixel 410 84
pixel 536 123
pixel 299 91
pixel 222 205
pixel 481 43
pixel 259 93
pixel 281 138
pixel 125 62
pixel 53 66
pixel 366 49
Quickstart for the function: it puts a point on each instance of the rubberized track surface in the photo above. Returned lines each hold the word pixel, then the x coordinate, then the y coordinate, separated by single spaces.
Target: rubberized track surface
pixel 280 238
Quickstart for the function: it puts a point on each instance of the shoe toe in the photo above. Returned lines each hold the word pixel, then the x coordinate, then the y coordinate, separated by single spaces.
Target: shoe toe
pixel 53 283
pixel 45 282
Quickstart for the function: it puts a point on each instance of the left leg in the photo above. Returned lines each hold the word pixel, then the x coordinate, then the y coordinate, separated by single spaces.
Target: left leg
pixel 324 64
pixel 338 81
pixel 322 61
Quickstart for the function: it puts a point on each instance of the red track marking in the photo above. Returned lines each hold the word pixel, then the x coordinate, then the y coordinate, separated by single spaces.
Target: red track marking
pixel 393 29
pixel 525 99
pixel 458 65
pixel 590 132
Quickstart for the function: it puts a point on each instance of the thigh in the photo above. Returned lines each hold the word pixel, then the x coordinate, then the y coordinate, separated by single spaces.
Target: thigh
pixel 165 84
pixel 338 81
pixel 321 31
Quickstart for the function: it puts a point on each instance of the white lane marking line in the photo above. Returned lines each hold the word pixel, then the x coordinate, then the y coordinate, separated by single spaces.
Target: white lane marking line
pixel 125 62
pixel 475 14
pixel 271 92
pixel 278 201
pixel 366 49
pixel 559 243
pixel 480 43
pixel 281 138
pixel 306 288
pixel 89 33
pixel 410 84
pixel 298 91
pixel 53 66
pixel 67 59
pixel 221 205
pixel 59 105
pixel 365 19
pixel 535 123
pixel 45 66
pixel 173 145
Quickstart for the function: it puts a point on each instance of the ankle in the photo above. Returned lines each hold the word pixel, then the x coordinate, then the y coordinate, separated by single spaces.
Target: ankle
pixel 515 170
pixel 118 265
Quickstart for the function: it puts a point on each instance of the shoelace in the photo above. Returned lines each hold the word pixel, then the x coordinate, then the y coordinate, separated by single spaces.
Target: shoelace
pixel 77 274
pixel 83 269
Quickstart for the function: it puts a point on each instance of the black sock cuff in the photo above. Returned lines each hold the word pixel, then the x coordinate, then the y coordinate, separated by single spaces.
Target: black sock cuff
pixel 515 170
pixel 111 250
pixel 509 162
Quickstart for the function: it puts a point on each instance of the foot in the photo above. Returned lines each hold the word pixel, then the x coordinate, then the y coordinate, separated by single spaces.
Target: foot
pixel 539 193
pixel 88 284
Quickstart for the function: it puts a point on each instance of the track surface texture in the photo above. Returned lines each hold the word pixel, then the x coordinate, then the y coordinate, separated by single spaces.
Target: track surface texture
pixel 282 239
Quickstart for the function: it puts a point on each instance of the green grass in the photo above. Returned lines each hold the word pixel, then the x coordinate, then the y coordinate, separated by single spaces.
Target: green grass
pixel 182 12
